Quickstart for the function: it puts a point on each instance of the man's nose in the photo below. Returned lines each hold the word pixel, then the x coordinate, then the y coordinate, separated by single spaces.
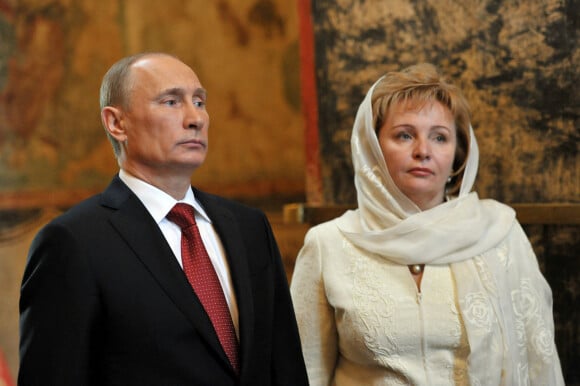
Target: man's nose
pixel 195 117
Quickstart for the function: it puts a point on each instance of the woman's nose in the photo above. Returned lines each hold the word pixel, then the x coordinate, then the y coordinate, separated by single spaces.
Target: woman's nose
pixel 421 150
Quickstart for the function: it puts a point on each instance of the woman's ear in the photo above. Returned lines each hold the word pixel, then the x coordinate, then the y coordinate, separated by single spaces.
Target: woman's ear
pixel 112 118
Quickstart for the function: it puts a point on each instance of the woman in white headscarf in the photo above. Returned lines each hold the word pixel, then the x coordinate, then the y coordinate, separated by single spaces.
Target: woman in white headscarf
pixel 424 283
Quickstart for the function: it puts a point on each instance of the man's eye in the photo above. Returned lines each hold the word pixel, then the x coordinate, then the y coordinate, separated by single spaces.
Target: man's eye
pixel 199 103
pixel 170 102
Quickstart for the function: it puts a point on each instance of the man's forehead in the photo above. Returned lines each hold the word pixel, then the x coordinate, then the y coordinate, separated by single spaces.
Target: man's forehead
pixel 164 72
pixel 161 65
pixel 156 59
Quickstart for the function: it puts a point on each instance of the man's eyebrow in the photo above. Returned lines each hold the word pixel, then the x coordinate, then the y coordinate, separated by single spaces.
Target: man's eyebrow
pixel 179 91
pixel 201 92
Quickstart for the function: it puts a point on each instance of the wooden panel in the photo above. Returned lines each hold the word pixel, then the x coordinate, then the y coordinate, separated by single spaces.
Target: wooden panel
pixel 24 200
pixel 546 214
pixel 520 78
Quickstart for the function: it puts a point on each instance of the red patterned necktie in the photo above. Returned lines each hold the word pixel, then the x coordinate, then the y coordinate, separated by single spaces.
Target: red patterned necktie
pixel 203 279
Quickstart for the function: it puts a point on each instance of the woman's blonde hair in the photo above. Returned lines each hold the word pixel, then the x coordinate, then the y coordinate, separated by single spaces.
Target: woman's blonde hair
pixel 420 84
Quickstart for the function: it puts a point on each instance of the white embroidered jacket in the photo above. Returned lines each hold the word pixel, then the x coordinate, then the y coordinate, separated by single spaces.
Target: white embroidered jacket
pixel 363 321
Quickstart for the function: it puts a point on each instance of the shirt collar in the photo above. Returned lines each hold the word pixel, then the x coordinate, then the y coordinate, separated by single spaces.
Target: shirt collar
pixel 157 202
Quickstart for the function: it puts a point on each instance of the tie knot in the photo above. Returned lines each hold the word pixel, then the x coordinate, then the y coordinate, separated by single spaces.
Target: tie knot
pixel 182 214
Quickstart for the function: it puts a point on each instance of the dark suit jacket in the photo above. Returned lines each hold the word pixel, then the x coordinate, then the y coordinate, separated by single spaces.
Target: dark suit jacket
pixel 105 302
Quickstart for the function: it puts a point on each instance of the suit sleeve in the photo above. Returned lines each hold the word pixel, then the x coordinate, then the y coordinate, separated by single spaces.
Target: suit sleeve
pixel 314 313
pixel 287 360
pixel 58 304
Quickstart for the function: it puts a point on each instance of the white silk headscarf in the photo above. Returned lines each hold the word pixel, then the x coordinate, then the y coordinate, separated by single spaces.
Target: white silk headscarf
pixel 386 215
pixel 390 225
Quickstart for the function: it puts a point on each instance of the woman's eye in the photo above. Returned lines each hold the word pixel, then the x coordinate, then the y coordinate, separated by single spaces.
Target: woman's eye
pixel 404 136
pixel 440 138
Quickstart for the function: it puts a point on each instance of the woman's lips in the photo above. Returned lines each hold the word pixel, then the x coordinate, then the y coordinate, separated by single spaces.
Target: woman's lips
pixel 421 172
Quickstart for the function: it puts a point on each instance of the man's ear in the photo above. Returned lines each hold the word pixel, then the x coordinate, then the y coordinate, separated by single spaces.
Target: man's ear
pixel 112 118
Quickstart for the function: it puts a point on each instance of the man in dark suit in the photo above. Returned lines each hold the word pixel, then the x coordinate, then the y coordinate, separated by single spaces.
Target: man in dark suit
pixel 104 298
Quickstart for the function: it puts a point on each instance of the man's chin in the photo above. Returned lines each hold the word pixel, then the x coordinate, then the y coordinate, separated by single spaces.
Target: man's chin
pixel 187 167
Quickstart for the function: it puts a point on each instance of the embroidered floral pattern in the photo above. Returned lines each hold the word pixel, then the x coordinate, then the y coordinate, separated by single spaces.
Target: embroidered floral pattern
pixel 485 275
pixel 543 342
pixel 503 255
pixel 386 320
pixel 525 301
pixel 477 311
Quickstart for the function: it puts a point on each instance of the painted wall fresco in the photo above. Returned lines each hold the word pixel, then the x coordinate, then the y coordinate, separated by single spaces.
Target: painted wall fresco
pixel 53 55
pixel 517 62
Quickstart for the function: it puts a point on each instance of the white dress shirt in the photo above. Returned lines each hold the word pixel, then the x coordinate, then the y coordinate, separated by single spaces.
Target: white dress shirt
pixel 158 204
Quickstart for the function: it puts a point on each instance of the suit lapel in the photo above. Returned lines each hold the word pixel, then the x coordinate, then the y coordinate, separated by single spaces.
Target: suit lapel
pixel 228 230
pixel 142 234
